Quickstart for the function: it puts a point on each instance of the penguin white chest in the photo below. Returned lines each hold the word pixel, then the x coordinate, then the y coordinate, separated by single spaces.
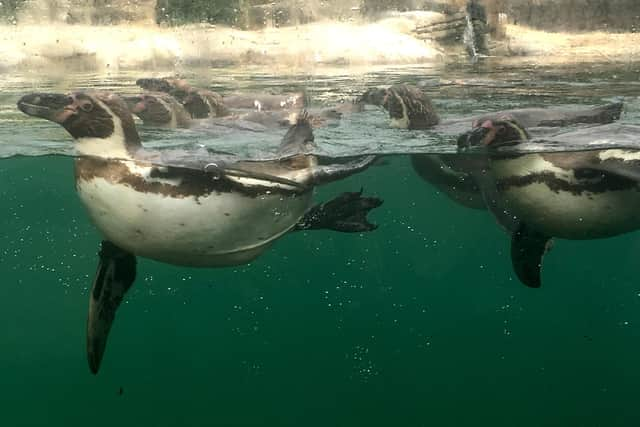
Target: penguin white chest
pixel 157 220
pixel 558 203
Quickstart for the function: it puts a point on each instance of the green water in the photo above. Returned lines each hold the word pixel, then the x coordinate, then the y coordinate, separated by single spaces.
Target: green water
pixel 420 323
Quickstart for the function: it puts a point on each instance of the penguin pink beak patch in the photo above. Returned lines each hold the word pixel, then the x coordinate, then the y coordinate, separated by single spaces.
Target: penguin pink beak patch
pixel 71 109
pixel 66 112
pixel 138 107
pixel 491 134
pixel 488 138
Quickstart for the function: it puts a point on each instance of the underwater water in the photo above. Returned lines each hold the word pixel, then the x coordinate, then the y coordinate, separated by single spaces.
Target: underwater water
pixel 419 323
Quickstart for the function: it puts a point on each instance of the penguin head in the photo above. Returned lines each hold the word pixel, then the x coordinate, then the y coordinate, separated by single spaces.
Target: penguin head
pixel 199 103
pixel 375 96
pixel 198 106
pixel 492 134
pixel 153 109
pixel 202 103
pixel 408 106
pixel 299 138
pixel 100 118
pixel 176 87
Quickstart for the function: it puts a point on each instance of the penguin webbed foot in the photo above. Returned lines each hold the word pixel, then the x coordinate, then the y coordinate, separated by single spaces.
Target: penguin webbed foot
pixel 115 274
pixel 528 247
pixel 346 213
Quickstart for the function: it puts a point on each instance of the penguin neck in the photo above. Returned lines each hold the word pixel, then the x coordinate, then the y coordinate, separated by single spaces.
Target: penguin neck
pixel 121 144
pixel 401 122
pixel 104 147
pixel 173 119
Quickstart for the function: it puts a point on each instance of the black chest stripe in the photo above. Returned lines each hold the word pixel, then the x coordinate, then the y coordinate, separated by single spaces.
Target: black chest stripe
pixel 588 181
pixel 192 183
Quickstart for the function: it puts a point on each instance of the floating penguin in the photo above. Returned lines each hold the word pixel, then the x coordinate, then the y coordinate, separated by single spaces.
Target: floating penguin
pixel 222 213
pixel 202 103
pixel 534 197
pixel 408 106
pixel 163 110
pixel 569 195
pixel 159 109
pixel 267 111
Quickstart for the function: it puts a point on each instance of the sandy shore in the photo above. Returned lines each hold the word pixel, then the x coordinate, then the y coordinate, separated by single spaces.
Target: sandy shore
pixel 390 41
pixel 127 47
pixel 567 48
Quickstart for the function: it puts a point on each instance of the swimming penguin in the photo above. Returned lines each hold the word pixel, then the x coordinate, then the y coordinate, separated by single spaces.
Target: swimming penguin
pixel 159 109
pixel 569 195
pixel 203 103
pixel 408 106
pixel 215 212
pixel 200 103
pixel 470 182
pixel 163 110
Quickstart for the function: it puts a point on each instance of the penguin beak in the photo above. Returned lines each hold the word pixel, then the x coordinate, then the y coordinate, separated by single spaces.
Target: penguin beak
pixel 472 138
pixel 480 136
pixel 55 107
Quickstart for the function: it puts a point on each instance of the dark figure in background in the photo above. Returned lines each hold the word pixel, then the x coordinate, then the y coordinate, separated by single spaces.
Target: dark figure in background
pixel 477 14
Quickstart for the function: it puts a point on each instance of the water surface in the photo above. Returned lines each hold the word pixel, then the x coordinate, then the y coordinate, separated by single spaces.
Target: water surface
pixel 420 323
pixel 457 91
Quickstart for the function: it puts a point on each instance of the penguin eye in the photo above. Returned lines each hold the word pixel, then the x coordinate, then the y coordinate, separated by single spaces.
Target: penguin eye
pixel 86 106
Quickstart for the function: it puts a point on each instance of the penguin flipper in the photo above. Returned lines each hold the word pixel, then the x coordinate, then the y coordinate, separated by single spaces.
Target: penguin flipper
pixel 527 250
pixel 335 170
pixel 115 275
pixel 346 213
pixel 299 138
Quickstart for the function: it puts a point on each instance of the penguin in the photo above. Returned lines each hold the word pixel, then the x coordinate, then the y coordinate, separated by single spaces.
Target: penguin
pixel 202 103
pixel 572 195
pixel 159 109
pixel 213 212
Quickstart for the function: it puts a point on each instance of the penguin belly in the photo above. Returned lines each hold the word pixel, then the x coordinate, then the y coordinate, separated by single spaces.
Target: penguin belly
pixel 210 230
pixel 558 202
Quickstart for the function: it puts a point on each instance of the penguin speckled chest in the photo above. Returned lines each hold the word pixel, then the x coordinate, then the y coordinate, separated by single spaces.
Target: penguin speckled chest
pixel 572 195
